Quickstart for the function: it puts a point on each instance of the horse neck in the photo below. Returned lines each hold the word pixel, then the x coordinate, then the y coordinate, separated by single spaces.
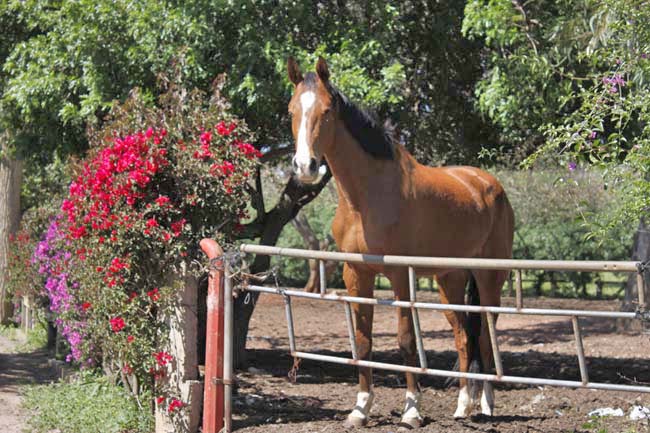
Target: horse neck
pixel 363 181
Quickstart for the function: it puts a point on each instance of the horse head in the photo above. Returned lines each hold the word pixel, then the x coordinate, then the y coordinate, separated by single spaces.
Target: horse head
pixel 312 109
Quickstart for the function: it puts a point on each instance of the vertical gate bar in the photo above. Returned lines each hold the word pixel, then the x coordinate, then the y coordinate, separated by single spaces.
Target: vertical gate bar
pixel 348 319
pixel 213 389
pixel 580 350
pixel 323 278
pixel 227 348
pixel 292 336
pixel 495 344
pixel 518 289
pixel 416 320
pixel 640 286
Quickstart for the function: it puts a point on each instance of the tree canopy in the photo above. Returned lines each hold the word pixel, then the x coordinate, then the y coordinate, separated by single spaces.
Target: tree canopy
pixel 570 79
pixel 64 63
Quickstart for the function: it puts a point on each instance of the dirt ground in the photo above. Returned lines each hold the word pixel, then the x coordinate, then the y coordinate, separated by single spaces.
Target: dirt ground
pixel 16 370
pixel 531 346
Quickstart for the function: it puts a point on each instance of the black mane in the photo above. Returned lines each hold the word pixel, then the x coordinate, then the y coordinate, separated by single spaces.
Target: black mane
pixel 372 136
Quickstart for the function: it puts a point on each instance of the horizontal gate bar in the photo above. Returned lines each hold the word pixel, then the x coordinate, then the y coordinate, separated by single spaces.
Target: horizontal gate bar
pixel 479 376
pixel 445 262
pixel 444 307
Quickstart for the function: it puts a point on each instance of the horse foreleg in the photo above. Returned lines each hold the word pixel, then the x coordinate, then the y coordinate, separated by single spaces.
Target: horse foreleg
pixel 406 341
pixel 361 284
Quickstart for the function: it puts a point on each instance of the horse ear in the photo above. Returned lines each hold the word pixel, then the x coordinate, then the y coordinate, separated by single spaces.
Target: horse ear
pixel 322 70
pixel 294 71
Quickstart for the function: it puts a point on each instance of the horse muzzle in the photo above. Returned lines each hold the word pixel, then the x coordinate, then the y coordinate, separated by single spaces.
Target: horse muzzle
pixel 307 171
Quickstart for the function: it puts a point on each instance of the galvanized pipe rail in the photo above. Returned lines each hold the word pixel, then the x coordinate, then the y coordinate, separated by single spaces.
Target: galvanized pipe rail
pixel 432 263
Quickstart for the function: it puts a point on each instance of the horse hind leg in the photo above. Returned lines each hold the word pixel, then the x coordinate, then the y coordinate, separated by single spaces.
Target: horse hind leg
pixel 489 285
pixel 361 284
pixel 452 291
pixel 411 417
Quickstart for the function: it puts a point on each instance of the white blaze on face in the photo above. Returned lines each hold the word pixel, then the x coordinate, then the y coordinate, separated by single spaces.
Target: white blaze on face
pixel 303 156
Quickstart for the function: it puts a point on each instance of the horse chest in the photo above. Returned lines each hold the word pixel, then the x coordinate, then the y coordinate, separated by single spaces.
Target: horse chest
pixel 356 234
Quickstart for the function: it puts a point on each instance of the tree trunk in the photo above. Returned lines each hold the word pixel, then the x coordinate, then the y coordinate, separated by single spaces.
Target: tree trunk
pixel 301 224
pixel 640 252
pixel 268 227
pixel 10 183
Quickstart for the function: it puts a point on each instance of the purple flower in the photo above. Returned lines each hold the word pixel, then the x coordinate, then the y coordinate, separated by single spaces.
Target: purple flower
pixel 572 166
pixel 593 135
pixel 52 264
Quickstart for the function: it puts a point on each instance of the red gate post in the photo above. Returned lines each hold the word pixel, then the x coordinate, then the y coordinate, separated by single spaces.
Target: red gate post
pixel 213 394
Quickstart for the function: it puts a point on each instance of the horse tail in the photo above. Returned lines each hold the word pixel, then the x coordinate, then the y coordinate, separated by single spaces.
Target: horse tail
pixel 473 329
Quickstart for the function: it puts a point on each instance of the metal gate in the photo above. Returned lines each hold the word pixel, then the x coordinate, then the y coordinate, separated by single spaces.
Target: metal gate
pixel 433 262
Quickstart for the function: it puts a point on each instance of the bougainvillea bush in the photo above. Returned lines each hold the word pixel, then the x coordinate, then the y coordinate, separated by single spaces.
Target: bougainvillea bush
pixel 22 276
pixel 156 181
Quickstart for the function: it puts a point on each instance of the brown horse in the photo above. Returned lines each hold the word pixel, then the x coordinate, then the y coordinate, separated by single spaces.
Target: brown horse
pixel 391 204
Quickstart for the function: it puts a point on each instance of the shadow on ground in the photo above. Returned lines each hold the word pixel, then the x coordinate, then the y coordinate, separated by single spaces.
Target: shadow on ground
pixel 28 368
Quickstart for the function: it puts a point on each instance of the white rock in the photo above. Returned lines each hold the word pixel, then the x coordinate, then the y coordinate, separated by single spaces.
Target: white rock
pixel 606 411
pixel 639 412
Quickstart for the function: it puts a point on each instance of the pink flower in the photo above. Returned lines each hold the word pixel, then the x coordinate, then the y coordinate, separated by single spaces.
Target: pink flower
pixel 130 339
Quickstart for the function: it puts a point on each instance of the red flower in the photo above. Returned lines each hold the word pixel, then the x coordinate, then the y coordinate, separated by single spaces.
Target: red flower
pixel 86 305
pixel 127 369
pixel 151 222
pixel 132 296
pixel 177 227
pixel 160 399
pixel 153 294
pixel 130 339
pixel 162 358
pixel 117 324
pixel 174 404
pixel 206 138
pixel 162 200
pixel 224 130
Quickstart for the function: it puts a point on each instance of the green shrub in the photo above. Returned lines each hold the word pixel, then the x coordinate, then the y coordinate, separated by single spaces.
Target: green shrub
pixel 552 210
pixel 89 404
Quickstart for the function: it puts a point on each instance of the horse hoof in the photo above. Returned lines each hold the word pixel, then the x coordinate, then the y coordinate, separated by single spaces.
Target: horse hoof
pixel 352 422
pixel 461 413
pixel 410 423
pixel 487 411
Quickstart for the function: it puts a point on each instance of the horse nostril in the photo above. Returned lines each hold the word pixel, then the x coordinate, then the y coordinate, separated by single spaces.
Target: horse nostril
pixel 294 164
pixel 313 165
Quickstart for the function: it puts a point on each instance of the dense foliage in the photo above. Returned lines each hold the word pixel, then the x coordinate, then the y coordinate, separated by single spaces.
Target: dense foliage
pixel 64 63
pixel 572 80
